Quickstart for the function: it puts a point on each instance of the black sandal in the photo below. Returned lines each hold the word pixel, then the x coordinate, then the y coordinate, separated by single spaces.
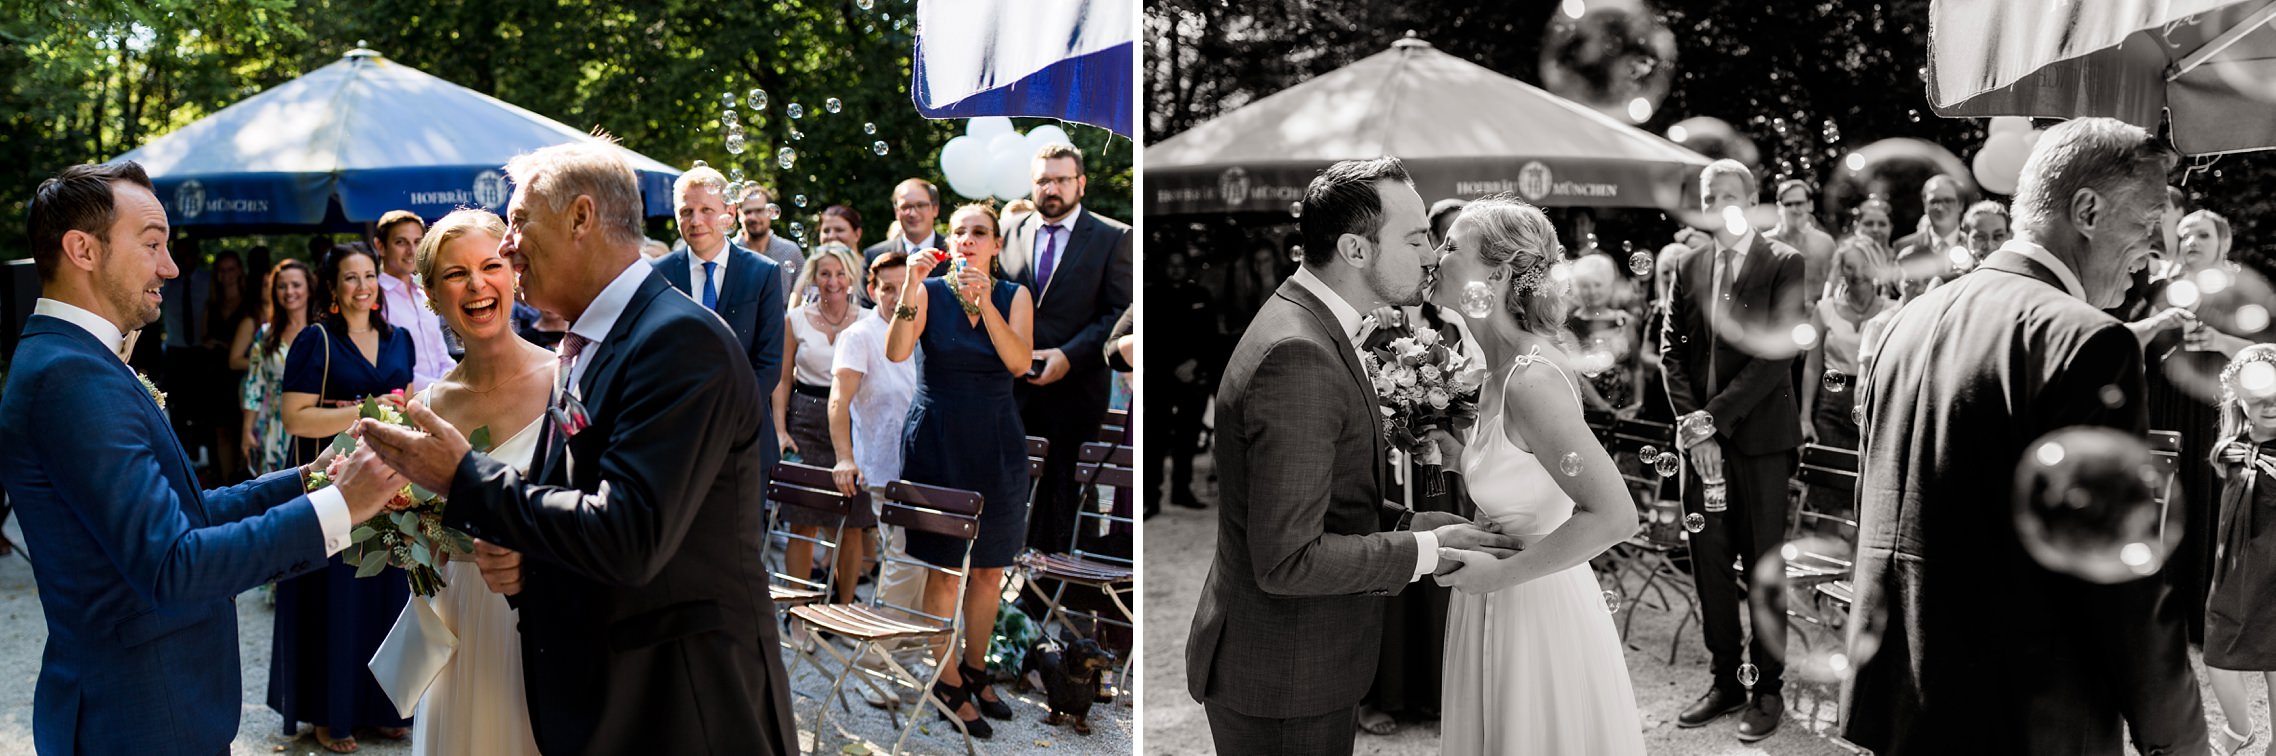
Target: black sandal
pixel 976 682
pixel 954 698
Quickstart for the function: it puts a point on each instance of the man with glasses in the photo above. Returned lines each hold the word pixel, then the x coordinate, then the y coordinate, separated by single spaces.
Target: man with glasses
pixel 1939 228
pixel 916 204
pixel 757 210
pixel 1798 228
pixel 1077 266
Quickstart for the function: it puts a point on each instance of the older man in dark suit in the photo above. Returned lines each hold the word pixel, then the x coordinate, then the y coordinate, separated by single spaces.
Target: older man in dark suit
pixel 1077 265
pixel 1284 640
pixel 1981 649
pixel 1731 305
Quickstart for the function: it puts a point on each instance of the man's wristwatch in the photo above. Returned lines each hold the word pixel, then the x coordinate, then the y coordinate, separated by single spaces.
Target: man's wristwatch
pixel 905 312
pixel 1406 521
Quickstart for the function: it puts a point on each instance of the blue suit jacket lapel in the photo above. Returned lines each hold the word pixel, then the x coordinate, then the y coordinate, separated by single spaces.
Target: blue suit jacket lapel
pixel 80 340
pixel 674 266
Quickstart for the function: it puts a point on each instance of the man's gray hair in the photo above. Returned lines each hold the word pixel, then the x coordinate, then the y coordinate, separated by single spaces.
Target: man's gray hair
pixel 556 175
pixel 2102 154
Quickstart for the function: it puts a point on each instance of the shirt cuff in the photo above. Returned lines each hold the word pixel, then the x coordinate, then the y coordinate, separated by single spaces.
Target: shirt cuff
pixel 332 516
pixel 1426 554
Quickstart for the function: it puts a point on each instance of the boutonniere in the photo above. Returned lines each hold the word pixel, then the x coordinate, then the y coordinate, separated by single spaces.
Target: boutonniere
pixel 569 416
pixel 155 395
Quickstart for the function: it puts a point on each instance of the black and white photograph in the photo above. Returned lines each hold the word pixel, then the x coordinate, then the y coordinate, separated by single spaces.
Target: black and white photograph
pixel 1715 377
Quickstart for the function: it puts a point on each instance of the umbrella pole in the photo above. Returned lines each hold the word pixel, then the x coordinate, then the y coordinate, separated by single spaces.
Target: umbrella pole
pixel 2230 37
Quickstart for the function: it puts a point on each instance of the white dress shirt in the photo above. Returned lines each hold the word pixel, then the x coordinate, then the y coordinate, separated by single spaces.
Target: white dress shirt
pixel 331 506
pixel 1426 542
pixel 697 280
pixel 407 308
pixel 600 317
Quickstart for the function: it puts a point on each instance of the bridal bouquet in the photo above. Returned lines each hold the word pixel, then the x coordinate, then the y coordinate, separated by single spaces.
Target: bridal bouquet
pixel 410 535
pixel 1422 384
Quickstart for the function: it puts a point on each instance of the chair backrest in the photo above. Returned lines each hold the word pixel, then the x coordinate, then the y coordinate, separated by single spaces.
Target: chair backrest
pixel 1103 467
pixel 1037 449
pixel 1633 435
pixel 1829 467
pixel 1116 428
pixel 2165 441
pixel 940 511
pixel 812 490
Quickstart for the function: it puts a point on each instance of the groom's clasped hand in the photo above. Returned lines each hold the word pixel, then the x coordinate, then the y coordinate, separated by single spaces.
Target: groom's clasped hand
pixel 428 458
pixel 1458 535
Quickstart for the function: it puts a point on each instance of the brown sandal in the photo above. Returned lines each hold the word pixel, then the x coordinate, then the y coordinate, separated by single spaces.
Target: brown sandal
pixel 342 745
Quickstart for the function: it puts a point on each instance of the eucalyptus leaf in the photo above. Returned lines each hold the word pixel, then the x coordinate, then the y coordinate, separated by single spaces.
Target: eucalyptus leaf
pixel 370 408
pixel 343 444
pixel 480 439
pixel 361 534
pixel 407 522
pixel 459 542
pixel 422 495
pixel 352 557
pixel 420 554
pixel 373 563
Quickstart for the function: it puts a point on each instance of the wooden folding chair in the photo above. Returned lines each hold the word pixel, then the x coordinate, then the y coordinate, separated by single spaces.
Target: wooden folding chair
pixel 1102 466
pixel 1831 558
pixel 1654 552
pixel 929 509
pixel 810 489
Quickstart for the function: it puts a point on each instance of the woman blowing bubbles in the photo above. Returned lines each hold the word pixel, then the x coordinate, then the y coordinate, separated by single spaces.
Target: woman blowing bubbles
pixel 964 432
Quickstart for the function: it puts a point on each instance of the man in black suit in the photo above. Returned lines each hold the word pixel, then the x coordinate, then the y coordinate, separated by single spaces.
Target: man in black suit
pixel 1729 305
pixel 1982 649
pixel 725 278
pixel 1077 264
pixel 1285 636
pixel 916 207
pixel 1939 230
pixel 646 626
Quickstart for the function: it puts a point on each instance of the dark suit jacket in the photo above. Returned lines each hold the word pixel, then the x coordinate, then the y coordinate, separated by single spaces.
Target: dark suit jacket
pixel 1089 287
pixel 1291 616
pixel 873 251
pixel 1983 650
pixel 753 311
pixel 646 626
pixel 136 567
pixel 1751 397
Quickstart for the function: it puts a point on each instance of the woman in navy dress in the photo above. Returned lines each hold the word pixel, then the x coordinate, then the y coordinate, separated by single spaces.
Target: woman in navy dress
pixel 329 622
pixel 964 432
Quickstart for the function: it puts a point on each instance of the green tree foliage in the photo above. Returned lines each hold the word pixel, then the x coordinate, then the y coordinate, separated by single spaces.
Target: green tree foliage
pixel 91 80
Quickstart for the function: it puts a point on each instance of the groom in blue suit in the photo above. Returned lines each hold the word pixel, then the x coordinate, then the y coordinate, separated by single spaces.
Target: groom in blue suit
pixel 136 568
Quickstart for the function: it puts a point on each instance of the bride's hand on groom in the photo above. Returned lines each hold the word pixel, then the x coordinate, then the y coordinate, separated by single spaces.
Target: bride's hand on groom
pixel 428 458
pixel 1470 571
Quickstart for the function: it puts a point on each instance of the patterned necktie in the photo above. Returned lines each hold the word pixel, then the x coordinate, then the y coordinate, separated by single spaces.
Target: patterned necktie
pixel 571 345
pixel 711 285
pixel 1043 261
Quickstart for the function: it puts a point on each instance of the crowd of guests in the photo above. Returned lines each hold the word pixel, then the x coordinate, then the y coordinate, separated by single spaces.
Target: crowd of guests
pixel 1849 281
pixel 881 364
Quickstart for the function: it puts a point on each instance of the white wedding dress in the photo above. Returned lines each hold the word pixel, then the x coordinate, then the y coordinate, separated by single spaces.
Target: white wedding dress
pixel 1535 668
pixel 476 704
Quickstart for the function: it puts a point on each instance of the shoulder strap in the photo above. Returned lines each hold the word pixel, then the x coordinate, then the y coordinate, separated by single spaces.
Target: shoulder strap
pixel 1534 356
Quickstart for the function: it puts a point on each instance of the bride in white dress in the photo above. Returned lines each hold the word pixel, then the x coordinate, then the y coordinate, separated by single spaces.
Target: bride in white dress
pixel 1533 664
pixel 476 705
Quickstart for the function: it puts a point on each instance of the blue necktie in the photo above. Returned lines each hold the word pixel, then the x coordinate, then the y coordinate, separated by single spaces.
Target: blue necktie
pixel 711 286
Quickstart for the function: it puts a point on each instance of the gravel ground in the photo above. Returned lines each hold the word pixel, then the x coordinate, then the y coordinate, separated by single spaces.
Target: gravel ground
pixel 1180 543
pixel 23 633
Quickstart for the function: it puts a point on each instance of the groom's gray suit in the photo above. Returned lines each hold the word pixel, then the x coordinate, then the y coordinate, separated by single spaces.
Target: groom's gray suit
pixel 1284 641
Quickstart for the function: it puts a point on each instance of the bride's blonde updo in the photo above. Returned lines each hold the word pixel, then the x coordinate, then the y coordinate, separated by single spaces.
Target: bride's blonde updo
pixel 1519 240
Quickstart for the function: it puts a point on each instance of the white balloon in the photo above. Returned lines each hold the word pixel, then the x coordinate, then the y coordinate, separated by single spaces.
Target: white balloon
pixel 1009 174
pixel 1008 146
pixel 2004 124
pixel 2000 163
pixel 964 162
pixel 987 126
pixel 1045 135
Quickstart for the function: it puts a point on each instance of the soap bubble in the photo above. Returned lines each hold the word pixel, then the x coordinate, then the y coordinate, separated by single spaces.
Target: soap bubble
pixel 796 111
pixel 757 99
pixel 869 128
pixel 1640 264
pixel 728 118
pixel 2085 505
pixel 1695 427
pixel 735 174
pixel 1836 382
pixel 1694 522
pixel 735 144
pixel 1649 454
pixel 786 157
pixel 774 211
pixel 1749 675
pixel 1570 464
pixel 1477 300
pixel 865 4
pixel 1612 601
pixel 833 105
pixel 1296 209
pixel 727 99
pixel 798 199
pixel 879 148
pixel 797 228
pixel 1667 464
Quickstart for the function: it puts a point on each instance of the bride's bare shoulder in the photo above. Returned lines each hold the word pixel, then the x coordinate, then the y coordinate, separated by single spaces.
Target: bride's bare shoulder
pixel 1542 380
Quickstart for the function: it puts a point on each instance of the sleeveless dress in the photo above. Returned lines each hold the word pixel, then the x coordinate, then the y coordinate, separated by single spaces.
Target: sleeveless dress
pixel 1536 667
pixel 964 430
pixel 477 703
